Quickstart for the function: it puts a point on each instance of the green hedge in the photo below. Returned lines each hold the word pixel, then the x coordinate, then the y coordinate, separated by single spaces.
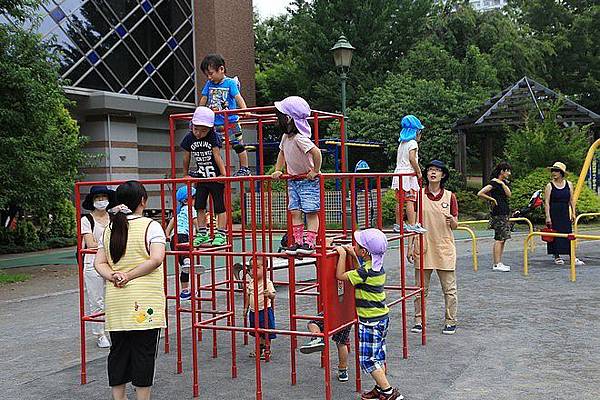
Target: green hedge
pixel 523 188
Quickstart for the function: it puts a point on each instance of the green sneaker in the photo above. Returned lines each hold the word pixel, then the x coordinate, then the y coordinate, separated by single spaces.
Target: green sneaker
pixel 201 239
pixel 219 240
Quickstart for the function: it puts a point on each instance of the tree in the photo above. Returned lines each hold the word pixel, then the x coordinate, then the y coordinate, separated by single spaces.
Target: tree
pixel 40 145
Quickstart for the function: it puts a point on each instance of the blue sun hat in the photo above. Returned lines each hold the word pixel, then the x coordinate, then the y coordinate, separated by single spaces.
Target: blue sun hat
pixel 182 195
pixel 410 126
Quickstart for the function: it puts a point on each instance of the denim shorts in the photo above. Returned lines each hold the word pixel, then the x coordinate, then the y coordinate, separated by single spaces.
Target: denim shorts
pixel 304 195
pixel 235 133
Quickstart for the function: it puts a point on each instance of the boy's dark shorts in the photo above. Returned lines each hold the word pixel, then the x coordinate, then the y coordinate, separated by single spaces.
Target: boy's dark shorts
pixel 132 357
pixel 216 191
pixel 340 337
pixel 501 227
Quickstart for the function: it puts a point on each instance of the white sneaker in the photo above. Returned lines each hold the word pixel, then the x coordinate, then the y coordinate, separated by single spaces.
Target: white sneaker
pixel 416 228
pixel 103 342
pixel 579 262
pixel 560 261
pixel 501 268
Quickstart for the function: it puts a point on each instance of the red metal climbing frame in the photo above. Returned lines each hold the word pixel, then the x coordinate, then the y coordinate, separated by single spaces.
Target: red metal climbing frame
pixel 216 305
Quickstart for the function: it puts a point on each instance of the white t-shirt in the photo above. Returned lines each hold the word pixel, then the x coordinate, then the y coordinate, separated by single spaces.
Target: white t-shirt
pixel 154 234
pixel 402 159
pixel 295 150
pixel 86 227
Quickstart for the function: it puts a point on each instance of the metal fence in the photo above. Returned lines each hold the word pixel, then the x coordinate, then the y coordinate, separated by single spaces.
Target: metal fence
pixel 333 208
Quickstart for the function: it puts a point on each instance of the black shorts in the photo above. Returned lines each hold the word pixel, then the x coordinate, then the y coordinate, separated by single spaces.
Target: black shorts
pixel 132 357
pixel 340 337
pixel 216 191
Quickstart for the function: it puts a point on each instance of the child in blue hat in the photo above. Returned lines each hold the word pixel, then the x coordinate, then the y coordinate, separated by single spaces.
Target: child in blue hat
pixel 407 162
pixel 183 236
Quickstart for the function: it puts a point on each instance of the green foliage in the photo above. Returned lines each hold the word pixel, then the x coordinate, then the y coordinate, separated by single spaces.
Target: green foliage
pixel 19 9
pixel 470 206
pixel 436 103
pixel 63 222
pixel 388 207
pixel 12 278
pixel 523 188
pixel 40 145
pixel 540 144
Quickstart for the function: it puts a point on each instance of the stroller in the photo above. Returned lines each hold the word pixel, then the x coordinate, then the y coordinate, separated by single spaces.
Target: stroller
pixel 535 201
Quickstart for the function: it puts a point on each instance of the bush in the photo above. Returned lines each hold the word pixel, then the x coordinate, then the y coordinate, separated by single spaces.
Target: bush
pixel 25 234
pixel 523 188
pixel 388 207
pixel 63 222
pixel 470 205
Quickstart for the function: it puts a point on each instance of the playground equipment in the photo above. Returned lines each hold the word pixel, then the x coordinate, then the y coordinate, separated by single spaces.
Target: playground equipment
pixel 215 303
pixel 573 237
pixel 464 226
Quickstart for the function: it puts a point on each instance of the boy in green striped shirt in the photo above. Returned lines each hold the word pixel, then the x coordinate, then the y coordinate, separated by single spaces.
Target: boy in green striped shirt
pixel 368 279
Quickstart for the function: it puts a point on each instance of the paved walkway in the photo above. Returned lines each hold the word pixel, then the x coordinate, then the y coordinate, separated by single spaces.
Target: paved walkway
pixel 519 337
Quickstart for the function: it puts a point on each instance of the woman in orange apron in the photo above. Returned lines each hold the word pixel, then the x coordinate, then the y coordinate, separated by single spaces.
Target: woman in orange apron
pixel 440 217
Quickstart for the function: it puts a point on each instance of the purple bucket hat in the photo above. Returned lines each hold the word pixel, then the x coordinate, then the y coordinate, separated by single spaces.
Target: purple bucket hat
pixel 376 244
pixel 204 116
pixel 297 108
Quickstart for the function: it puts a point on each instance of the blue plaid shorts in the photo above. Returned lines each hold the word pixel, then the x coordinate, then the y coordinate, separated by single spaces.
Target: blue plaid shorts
pixel 371 344
pixel 304 195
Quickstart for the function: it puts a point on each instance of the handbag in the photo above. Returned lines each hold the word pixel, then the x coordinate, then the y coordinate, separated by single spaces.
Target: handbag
pixel 545 238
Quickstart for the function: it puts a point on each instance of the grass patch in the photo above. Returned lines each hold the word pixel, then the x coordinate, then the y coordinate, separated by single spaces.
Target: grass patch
pixel 13 278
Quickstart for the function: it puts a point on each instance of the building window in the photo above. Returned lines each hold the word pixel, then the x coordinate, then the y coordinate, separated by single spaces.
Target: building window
pixel 128 46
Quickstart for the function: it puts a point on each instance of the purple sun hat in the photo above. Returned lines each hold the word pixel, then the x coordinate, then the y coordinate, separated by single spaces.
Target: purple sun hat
pixel 297 108
pixel 376 244
pixel 204 116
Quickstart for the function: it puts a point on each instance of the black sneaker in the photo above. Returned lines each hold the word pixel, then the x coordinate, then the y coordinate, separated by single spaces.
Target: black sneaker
pixel 449 330
pixel 305 250
pixel 418 328
pixel 292 250
pixel 243 171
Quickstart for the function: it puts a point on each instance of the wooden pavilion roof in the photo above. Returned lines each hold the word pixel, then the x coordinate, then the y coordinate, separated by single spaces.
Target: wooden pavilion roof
pixel 512 105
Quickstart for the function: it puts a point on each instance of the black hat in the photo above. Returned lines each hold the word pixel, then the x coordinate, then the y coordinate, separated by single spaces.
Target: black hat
pixel 440 165
pixel 88 203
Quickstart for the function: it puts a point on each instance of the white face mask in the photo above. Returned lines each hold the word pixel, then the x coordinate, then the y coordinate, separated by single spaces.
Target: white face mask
pixel 101 204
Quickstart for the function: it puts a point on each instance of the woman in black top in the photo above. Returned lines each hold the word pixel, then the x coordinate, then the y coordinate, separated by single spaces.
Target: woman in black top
pixel 497 193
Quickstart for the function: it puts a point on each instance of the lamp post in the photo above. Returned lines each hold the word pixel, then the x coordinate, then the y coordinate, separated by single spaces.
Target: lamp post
pixel 342 56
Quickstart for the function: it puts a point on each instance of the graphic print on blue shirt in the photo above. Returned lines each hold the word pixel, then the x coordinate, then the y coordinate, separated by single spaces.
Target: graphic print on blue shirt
pixel 202 160
pixel 221 96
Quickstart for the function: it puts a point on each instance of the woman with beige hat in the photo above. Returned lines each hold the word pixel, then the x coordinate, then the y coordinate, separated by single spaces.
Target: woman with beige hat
pixel 560 211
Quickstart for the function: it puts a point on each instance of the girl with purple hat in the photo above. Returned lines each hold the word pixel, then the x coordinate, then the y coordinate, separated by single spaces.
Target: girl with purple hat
pixel 300 156
pixel 368 280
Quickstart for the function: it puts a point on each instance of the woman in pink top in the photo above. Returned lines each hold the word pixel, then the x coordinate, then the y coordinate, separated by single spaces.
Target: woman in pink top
pixel 301 157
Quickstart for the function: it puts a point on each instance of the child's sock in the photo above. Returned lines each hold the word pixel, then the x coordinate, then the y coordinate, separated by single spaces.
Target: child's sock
pixel 298 232
pixel 311 238
pixel 385 391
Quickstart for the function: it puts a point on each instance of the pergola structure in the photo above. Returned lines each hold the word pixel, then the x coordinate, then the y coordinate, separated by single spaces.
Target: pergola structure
pixel 509 109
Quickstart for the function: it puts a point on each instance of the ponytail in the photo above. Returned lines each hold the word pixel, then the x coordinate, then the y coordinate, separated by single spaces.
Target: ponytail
pixel 129 194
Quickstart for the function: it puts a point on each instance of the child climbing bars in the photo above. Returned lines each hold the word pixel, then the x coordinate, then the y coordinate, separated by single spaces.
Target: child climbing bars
pixel 301 157
pixel 368 280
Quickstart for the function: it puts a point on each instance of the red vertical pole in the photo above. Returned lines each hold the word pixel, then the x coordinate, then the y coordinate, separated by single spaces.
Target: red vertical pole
pixel 231 286
pixel 165 284
pixel 400 197
pixel 244 212
pixel 353 203
pixel 316 127
pixel 81 284
pixel 227 144
pixel 213 301
pixel 292 296
pixel 422 273
pixel 366 202
pixel 255 283
pixel 379 208
pixel 172 147
pixel 260 147
pixel 194 321
pixel 324 289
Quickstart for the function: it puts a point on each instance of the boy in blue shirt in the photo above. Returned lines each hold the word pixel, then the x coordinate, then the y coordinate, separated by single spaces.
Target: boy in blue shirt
pixel 222 93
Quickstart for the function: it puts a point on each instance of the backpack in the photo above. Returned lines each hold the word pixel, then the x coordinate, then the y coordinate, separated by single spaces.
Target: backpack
pixel 92 223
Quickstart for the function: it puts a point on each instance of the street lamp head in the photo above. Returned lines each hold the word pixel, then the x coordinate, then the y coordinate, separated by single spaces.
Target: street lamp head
pixel 342 53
